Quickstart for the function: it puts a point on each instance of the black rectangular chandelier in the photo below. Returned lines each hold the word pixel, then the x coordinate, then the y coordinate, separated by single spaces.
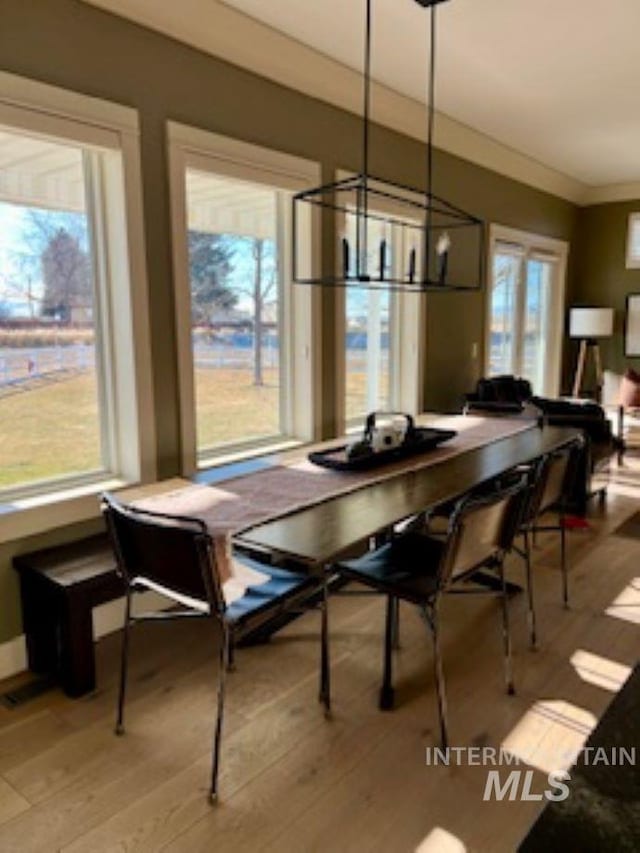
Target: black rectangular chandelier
pixel 392 236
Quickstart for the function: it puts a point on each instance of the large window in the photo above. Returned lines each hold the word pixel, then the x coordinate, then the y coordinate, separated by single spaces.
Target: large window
pixel 369 325
pixel 235 274
pixel 369 321
pixel 383 343
pixel 526 308
pixel 69 366
pixel 246 333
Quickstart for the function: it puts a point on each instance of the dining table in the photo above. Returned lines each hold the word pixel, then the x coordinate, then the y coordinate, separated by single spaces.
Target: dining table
pixel 318 535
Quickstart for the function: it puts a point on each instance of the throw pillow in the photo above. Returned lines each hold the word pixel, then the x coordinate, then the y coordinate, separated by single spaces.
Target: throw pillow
pixel 630 390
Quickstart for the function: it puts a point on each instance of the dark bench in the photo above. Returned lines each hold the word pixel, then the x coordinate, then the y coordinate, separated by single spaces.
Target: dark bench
pixel 59 588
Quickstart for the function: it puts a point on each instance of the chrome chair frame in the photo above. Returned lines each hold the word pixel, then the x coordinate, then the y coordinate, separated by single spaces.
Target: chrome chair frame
pixel 429 606
pixel 212 607
pixel 538 503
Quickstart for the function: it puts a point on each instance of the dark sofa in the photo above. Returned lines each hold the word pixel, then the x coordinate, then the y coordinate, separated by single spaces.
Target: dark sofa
pixel 511 396
pixel 600 445
pixel 502 395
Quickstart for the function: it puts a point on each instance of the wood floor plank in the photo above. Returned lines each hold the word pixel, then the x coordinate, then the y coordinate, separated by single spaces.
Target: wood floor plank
pixel 29 737
pixel 286 726
pixel 11 803
pixel 88 777
pixel 291 780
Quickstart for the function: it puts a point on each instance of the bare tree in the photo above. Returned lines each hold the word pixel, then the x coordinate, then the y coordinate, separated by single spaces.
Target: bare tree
pixel 264 284
pixel 211 259
pixel 19 283
pixel 22 274
pixel 66 273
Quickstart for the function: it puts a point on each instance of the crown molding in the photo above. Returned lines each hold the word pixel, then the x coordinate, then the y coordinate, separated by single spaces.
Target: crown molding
pixel 611 193
pixel 217 29
pixel 220 30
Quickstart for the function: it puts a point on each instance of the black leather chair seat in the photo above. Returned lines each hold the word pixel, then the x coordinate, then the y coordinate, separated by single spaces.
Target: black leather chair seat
pixel 408 566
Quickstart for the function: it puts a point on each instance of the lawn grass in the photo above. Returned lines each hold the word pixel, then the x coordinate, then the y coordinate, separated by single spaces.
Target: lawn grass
pixel 52 430
pixel 49 431
pixel 230 408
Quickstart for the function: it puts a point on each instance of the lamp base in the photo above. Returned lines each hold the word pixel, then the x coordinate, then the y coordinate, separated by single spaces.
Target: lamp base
pixel 586 345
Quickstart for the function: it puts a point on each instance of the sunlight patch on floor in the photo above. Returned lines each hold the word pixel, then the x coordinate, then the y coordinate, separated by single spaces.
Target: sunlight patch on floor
pixel 550 734
pixel 627 487
pixel 627 605
pixel 599 671
pixel 440 841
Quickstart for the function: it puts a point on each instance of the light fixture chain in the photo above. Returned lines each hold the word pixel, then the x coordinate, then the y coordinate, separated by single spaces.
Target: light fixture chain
pixel 362 213
pixel 430 129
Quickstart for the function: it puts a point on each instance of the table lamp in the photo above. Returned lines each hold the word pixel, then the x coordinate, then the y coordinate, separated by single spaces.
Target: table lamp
pixel 589 325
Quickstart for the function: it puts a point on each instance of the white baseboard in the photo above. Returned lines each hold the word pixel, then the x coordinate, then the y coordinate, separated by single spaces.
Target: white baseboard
pixel 13 656
pixel 107 618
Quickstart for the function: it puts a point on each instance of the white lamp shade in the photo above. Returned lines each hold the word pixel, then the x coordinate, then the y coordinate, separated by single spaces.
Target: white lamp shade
pixel 591 322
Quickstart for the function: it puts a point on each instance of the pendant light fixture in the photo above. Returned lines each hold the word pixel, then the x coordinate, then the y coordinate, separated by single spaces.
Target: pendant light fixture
pixel 392 236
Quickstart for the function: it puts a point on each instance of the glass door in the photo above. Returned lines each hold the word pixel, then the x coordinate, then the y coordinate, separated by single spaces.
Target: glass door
pixel 504 313
pixel 525 313
pixel 539 276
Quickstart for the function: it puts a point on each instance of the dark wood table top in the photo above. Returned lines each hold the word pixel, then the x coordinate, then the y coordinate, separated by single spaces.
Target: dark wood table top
pixel 318 535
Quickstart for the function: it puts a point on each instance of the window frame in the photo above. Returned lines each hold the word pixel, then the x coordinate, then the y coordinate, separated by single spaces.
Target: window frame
pixel 633 257
pixel 529 243
pixel 194 148
pixel 36 109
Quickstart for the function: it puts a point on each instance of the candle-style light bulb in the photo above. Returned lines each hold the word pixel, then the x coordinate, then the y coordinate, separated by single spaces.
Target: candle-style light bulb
pixel 442 250
pixel 412 265
pixel 345 257
pixel 383 258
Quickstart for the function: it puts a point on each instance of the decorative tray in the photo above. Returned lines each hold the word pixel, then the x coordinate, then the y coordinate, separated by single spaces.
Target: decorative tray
pixel 416 440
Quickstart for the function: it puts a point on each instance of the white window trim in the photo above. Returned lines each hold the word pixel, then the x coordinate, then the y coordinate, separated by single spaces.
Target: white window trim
pixel 633 258
pixel 531 242
pixel 36 108
pixel 191 147
pixel 410 328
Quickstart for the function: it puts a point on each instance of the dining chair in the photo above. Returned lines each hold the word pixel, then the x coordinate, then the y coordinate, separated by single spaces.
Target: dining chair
pixel 174 556
pixel 550 486
pixel 420 568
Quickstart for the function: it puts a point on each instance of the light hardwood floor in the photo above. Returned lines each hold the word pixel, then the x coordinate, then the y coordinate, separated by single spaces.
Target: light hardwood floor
pixel 292 781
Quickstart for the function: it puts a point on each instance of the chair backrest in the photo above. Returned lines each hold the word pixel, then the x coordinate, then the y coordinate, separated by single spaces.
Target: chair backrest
pixel 503 389
pixel 552 481
pixel 173 552
pixel 481 529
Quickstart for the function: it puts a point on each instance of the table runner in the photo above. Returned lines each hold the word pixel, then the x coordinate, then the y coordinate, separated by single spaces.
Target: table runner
pixel 250 499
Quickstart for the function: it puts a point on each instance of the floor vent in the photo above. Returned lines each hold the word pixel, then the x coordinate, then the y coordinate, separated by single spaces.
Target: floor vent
pixel 28 692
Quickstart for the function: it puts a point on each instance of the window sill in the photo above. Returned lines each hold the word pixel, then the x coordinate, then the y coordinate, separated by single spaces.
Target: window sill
pixel 32 515
pixel 238 453
pixel 29 516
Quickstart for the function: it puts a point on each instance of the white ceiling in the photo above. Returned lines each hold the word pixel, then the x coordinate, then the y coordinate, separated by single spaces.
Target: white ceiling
pixel 554 79
pixel 543 91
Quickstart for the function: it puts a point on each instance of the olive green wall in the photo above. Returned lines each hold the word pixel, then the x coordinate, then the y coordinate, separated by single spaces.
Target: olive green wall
pixel 600 277
pixel 78 47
